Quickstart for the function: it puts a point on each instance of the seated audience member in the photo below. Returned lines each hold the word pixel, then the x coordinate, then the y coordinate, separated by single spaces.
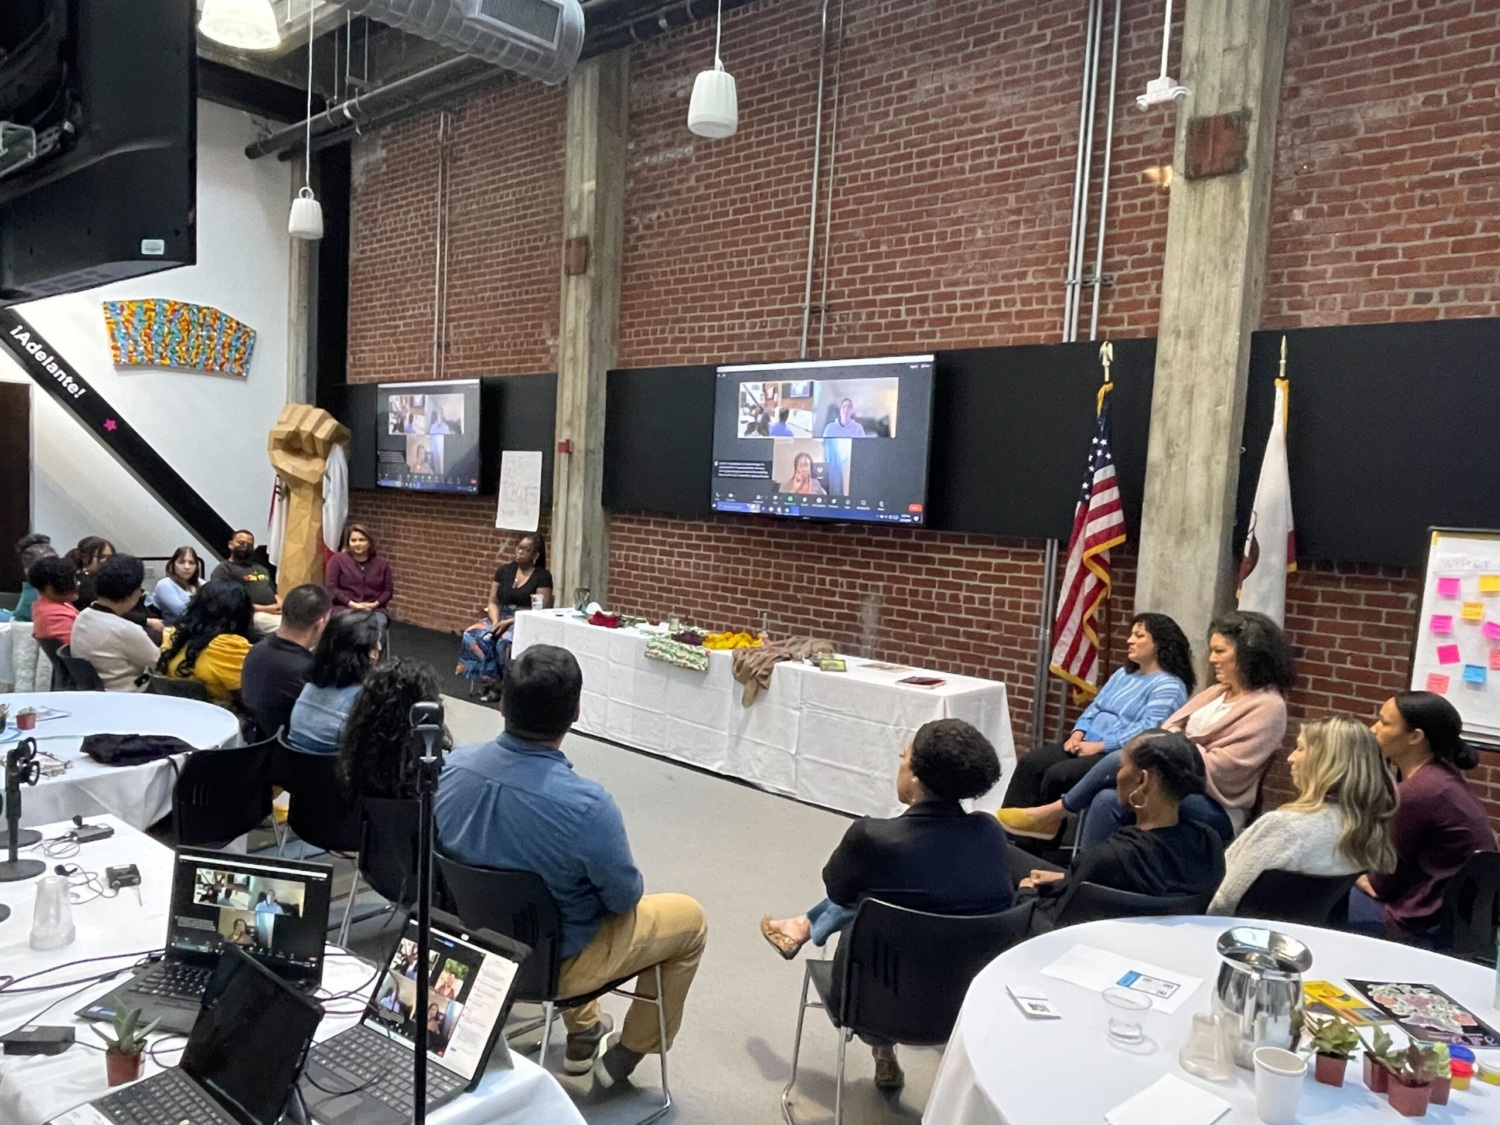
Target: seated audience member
pixel 87 558
pixel 121 651
pixel 172 592
pixel 349 648
pixel 276 667
pixel 485 649
pixel 934 857
pixel 1159 853
pixel 211 641
pixel 1438 824
pixel 241 567
pixel 53 612
pixel 30 549
pixel 376 757
pixel 1155 680
pixel 1237 724
pixel 1339 823
pixel 517 803
pixel 357 577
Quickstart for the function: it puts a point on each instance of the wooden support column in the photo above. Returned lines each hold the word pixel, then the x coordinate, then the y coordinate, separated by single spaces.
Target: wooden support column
pixel 593 224
pixel 1212 282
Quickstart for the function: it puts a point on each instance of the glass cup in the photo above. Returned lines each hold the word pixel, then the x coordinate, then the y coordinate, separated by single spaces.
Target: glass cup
pixel 1207 1053
pixel 674 624
pixel 1124 1010
pixel 581 598
pixel 538 601
pixel 52 923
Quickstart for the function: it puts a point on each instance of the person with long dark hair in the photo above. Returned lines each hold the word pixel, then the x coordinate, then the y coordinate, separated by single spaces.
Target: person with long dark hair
pixel 376 757
pixel 211 640
pixel 90 554
pixel 1438 824
pixel 178 586
pixel 1155 680
pixel 358 577
pixel 485 649
pixel 350 646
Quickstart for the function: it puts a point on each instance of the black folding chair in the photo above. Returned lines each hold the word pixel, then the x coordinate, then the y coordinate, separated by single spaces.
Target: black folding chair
pixel 1290 896
pixel 517 905
pixel 62 679
pixel 222 794
pixel 1471 909
pixel 84 675
pixel 180 686
pixel 1092 902
pixel 321 813
pixel 901 975
pixel 389 850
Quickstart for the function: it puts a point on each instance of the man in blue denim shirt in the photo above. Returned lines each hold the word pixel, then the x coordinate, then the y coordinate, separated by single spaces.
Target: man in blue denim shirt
pixel 516 803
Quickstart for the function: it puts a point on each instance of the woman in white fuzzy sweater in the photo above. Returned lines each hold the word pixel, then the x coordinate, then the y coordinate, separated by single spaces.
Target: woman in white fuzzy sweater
pixel 1339 824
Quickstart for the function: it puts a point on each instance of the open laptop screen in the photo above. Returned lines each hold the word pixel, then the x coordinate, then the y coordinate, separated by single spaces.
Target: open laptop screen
pixel 276 910
pixel 468 997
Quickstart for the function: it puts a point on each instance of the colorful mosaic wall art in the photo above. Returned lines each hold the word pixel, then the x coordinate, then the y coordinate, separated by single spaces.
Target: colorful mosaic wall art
pixel 178 334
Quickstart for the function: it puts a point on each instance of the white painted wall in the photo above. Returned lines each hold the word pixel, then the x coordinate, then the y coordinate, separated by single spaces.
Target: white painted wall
pixel 211 428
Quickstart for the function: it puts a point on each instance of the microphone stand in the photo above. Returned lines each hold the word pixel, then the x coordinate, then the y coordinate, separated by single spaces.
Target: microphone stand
pixel 427 723
pixel 21 768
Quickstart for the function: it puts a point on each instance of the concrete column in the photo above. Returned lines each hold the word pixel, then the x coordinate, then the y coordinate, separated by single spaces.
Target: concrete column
pixel 1212 282
pixel 593 222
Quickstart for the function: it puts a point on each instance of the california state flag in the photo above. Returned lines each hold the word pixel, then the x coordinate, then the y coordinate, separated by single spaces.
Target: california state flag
pixel 1271 543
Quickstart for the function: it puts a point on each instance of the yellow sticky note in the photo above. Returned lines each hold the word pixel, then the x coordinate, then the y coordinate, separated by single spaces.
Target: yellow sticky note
pixel 1489 583
pixel 1473 611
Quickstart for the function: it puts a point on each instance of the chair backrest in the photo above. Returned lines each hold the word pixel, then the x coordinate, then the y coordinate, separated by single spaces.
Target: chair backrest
pixel 180 686
pixel 85 676
pixel 222 794
pixel 1290 896
pixel 389 846
pixel 321 813
pixel 1091 902
pixel 62 679
pixel 903 973
pixel 1471 908
pixel 514 904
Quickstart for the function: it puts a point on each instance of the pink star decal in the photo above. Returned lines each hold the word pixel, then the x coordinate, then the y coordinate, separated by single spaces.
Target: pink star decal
pixel 110 424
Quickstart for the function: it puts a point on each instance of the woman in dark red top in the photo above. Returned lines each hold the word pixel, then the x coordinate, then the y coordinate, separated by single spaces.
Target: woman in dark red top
pixel 356 577
pixel 1438 824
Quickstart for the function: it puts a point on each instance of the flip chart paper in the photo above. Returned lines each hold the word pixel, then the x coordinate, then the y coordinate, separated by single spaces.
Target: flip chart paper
pixel 1437 683
pixel 1475 673
pixel 1447 654
pixel 1442 624
pixel 520 490
pixel 1447 587
pixel 1473 611
pixel 1489 583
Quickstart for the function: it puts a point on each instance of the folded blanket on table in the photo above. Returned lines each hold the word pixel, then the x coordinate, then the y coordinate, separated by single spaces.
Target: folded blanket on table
pixel 692 657
pixel 753 666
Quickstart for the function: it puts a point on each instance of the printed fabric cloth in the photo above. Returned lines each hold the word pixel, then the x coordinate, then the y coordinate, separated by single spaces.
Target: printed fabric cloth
pixel 692 657
pixel 753 666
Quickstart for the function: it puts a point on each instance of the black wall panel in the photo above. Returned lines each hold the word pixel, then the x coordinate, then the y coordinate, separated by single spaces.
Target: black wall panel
pixel 658 440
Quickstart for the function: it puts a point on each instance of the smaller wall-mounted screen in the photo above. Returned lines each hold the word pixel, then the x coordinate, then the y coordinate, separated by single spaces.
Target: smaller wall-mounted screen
pixel 835 439
pixel 427 436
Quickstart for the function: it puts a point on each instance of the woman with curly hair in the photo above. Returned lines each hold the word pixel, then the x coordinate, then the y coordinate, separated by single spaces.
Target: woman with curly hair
pixel 375 759
pixel 1155 680
pixel 349 648
pixel 210 641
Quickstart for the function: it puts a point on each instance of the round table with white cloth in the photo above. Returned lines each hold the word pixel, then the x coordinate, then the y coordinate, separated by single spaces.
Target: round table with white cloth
pixel 1001 1068
pixel 138 795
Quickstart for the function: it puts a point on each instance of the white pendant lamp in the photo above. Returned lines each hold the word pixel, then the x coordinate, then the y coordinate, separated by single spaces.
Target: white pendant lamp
pixel 249 25
pixel 306 219
pixel 714 110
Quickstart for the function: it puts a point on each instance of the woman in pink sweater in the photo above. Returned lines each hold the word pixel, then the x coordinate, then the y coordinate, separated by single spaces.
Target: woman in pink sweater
pixel 1237 724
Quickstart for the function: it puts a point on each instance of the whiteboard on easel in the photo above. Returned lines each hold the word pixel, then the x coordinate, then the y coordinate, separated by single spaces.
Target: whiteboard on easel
pixel 1457 649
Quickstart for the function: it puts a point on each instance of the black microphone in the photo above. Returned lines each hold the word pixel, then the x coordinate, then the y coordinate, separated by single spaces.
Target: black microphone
pixel 427 722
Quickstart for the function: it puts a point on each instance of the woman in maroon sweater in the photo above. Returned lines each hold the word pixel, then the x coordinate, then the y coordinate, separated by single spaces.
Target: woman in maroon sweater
pixel 356 577
pixel 1438 824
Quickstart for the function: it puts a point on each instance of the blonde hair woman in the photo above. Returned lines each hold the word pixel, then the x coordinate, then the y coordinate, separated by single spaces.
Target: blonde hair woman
pixel 1339 824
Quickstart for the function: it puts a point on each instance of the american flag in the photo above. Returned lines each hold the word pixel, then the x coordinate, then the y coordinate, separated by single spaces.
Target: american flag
pixel 1098 525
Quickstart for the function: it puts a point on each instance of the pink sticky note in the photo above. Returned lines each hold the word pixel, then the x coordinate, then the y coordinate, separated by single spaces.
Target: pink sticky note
pixel 1448 587
pixel 1491 629
pixel 1495 658
pixel 1448 654
pixel 1442 623
pixel 1437 683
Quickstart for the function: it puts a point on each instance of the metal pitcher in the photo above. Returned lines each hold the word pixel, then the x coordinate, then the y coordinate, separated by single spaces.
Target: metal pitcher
pixel 1259 990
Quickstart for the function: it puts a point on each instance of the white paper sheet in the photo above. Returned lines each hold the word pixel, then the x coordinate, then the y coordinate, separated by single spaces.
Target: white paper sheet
pixel 1097 969
pixel 520 490
pixel 1169 1101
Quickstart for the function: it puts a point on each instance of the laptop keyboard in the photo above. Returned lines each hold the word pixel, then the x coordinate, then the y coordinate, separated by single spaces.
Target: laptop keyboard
pixel 173 979
pixel 165 1099
pixel 370 1063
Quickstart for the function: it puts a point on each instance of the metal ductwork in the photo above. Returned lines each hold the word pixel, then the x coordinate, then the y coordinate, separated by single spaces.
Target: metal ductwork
pixel 538 38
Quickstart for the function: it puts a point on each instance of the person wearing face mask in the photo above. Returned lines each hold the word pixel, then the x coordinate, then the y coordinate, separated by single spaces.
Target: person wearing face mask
pixel 1160 853
pixel 241 567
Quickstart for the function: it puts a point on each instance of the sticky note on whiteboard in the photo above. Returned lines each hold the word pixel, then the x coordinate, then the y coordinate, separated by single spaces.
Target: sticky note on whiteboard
pixel 1447 654
pixel 1437 683
pixel 1475 673
pixel 1495 659
pixel 1473 611
pixel 1447 587
pixel 1489 583
pixel 1442 624
pixel 1491 629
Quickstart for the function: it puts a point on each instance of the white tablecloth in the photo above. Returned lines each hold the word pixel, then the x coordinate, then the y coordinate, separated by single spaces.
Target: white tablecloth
pixel 23 666
pixel 830 738
pixel 138 795
pixel 8 630
pixel 36 1088
pixel 1001 1068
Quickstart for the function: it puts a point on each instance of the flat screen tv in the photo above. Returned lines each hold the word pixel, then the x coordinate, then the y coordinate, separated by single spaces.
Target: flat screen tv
pixel 427 436
pixel 825 440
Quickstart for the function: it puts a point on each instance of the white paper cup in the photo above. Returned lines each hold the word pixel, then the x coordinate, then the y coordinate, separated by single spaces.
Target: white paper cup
pixel 538 601
pixel 1278 1084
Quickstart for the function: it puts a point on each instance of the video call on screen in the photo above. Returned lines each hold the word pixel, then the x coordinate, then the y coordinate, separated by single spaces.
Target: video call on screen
pixel 840 440
pixel 266 915
pixel 428 436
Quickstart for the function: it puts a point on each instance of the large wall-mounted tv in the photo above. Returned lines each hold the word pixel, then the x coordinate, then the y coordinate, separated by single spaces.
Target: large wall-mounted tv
pixel 427 436
pixel 832 439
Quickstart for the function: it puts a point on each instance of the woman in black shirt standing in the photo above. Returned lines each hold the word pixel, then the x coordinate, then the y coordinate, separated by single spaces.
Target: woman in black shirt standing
pixel 486 644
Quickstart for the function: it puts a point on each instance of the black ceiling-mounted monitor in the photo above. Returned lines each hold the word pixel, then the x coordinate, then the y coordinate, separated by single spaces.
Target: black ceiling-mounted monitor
pixel 98 143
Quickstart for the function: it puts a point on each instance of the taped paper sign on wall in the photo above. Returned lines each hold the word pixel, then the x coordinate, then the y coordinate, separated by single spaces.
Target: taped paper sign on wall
pixel 520 506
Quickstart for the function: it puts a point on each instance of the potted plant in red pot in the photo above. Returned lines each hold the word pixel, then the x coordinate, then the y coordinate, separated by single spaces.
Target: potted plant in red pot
pixel 123 1052
pixel 1332 1041
pixel 1377 1070
pixel 1411 1083
pixel 1440 1064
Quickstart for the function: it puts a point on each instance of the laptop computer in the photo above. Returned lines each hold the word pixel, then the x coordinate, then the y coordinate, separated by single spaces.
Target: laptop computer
pixel 363 1074
pixel 275 910
pixel 241 1063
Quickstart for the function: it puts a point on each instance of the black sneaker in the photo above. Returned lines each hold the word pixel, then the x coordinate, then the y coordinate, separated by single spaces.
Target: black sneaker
pixel 888 1074
pixel 584 1045
pixel 615 1065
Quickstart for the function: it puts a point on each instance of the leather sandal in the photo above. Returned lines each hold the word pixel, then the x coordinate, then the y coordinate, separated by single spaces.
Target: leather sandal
pixel 788 947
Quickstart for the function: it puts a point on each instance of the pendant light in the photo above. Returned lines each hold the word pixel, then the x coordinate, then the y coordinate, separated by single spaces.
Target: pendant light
pixel 714 110
pixel 249 25
pixel 306 221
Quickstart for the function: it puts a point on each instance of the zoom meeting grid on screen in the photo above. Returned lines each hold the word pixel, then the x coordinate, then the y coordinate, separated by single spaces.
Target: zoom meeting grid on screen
pixel 837 439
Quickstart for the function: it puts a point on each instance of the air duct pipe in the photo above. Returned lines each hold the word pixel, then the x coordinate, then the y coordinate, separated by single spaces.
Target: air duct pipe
pixel 538 38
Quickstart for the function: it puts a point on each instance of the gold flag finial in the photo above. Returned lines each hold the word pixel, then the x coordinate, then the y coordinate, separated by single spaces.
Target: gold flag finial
pixel 1281 371
pixel 1106 357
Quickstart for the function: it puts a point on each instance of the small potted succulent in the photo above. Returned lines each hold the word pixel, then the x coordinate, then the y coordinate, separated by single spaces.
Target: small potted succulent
pixel 1333 1041
pixel 123 1054
pixel 26 718
pixel 1377 1070
pixel 1439 1063
pixel 1411 1082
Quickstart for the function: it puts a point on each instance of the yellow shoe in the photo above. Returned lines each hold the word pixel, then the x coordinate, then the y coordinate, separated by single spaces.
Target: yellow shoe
pixel 1029 822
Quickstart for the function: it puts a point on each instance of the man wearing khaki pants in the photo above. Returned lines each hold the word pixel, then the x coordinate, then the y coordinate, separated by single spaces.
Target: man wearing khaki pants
pixel 516 803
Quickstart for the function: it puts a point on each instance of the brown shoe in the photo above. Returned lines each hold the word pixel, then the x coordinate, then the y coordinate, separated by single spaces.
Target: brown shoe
pixel 788 947
pixel 888 1073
